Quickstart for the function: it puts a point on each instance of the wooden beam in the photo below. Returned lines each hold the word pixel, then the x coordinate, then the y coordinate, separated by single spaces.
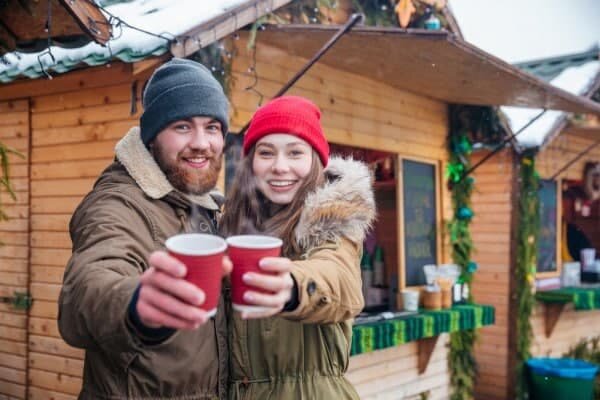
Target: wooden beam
pixel 90 19
pixel 149 63
pixel 91 77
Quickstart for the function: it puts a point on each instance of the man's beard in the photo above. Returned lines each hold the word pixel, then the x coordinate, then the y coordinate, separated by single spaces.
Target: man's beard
pixel 189 180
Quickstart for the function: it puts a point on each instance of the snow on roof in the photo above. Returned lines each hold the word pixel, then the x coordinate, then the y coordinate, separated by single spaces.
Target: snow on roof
pixel 166 18
pixel 577 80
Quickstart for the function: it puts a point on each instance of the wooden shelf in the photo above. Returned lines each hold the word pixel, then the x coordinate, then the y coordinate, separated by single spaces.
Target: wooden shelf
pixel 423 327
pixel 555 301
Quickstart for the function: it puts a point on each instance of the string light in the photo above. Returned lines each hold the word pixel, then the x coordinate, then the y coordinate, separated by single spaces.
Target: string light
pixel 252 70
pixel 117 31
pixel 48 30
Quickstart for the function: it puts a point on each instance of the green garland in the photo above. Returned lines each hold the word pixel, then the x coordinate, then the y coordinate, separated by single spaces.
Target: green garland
pixel 587 349
pixel 461 362
pixel 5 184
pixel 376 12
pixel 529 223
pixel 219 58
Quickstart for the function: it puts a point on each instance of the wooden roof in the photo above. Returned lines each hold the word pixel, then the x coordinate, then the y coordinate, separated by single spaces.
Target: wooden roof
pixel 433 63
pixel 72 24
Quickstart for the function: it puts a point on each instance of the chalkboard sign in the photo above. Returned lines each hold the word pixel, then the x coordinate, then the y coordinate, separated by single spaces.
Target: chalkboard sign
pixel 419 219
pixel 548 193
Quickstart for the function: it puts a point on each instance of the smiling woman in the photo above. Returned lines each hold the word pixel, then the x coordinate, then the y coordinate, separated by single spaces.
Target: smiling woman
pixel 281 164
pixel 287 186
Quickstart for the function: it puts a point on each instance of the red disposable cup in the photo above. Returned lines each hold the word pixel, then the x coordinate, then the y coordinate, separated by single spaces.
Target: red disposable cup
pixel 245 251
pixel 202 254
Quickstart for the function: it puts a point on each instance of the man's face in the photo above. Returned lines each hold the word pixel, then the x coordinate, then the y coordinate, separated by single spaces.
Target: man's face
pixel 190 153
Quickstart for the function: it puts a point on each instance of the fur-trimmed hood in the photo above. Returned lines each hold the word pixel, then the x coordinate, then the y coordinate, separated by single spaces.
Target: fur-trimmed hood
pixel 343 207
pixel 141 166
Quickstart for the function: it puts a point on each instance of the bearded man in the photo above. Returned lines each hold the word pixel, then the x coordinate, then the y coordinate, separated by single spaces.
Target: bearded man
pixel 123 299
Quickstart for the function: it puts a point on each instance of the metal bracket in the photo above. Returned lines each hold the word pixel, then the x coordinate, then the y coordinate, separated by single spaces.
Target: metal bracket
pixel 20 300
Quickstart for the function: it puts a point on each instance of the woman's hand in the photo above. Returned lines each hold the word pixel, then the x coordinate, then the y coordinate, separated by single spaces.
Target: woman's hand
pixel 166 299
pixel 278 282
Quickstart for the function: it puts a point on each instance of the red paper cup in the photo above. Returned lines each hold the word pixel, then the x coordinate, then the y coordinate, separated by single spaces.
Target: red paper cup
pixel 203 256
pixel 245 251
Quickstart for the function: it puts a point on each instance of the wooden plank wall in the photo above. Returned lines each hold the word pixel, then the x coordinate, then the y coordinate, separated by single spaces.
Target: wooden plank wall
pixel 572 326
pixel 491 237
pixel 563 149
pixel 369 114
pixel 391 374
pixel 75 122
pixel 74 134
pixel 14 253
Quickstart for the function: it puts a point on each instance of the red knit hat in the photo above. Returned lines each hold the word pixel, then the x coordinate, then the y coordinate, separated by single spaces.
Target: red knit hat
pixel 291 115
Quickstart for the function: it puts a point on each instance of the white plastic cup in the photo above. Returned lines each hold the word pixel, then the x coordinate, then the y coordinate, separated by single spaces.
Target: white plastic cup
pixel 588 258
pixel 410 300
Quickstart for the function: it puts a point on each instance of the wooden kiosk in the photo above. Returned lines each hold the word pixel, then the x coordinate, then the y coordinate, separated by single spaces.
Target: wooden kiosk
pixel 384 94
pixel 557 320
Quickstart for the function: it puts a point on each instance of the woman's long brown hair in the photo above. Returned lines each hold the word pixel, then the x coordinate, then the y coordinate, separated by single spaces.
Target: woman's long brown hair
pixel 248 211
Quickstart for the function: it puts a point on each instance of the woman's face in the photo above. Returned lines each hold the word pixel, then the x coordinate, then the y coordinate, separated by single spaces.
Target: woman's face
pixel 281 163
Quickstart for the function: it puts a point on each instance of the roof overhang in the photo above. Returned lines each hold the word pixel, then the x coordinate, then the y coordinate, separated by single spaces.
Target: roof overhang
pixel 216 28
pixel 433 63
pixel 72 23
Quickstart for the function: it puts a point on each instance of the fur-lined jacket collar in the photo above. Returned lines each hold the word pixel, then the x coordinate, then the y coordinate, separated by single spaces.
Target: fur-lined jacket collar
pixel 343 207
pixel 140 165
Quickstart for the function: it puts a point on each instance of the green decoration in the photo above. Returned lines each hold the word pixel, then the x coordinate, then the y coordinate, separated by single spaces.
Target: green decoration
pixel 19 301
pixel 218 57
pixel 376 12
pixel 389 333
pixel 454 171
pixel 472 267
pixel 469 124
pixel 464 213
pixel 5 184
pixel 527 238
pixel 461 361
pixel 582 298
pixel 588 350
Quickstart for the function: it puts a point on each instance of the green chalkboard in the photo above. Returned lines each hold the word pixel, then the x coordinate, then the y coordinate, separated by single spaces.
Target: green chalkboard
pixel 548 194
pixel 419 219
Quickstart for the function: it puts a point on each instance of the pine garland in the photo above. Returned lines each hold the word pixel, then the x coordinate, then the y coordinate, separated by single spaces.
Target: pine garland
pixel 461 362
pixel 527 239
pixel 5 184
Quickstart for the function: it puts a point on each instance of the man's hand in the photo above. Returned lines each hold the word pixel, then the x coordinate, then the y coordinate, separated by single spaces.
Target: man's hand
pixel 166 299
pixel 278 282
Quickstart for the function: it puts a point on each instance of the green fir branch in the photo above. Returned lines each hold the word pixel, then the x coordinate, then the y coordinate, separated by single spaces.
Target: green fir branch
pixel 5 184
pixel 461 360
pixel 527 239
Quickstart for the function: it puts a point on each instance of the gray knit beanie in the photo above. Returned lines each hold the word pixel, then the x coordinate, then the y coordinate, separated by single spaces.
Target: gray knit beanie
pixel 181 89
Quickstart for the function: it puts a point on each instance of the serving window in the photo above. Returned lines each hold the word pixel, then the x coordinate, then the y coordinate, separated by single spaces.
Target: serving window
pixel 407 233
